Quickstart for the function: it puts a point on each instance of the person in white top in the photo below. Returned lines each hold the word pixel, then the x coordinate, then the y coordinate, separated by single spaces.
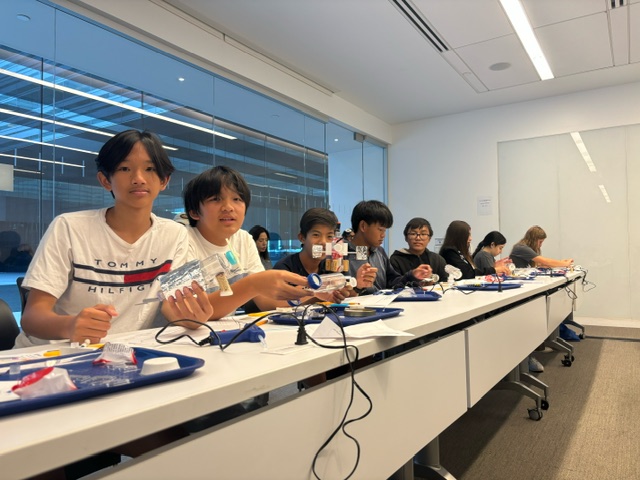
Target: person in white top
pixel 216 202
pixel 93 269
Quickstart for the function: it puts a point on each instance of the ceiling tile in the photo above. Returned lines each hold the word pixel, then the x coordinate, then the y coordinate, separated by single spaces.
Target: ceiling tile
pixel 480 56
pixel 465 22
pixel 576 46
pixel 548 12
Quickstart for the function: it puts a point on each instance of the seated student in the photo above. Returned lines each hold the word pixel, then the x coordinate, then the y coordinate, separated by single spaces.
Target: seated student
pixel 526 253
pixel 260 235
pixel 370 220
pixel 455 250
pixel 317 227
pixel 216 202
pixel 490 247
pixel 417 234
pixel 93 269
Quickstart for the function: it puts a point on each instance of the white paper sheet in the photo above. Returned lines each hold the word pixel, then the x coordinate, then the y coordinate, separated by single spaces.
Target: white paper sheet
pixel 328 329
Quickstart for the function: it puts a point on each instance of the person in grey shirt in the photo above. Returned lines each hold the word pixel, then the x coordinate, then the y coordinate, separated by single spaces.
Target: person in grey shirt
pixel 526 253
pixel 490 247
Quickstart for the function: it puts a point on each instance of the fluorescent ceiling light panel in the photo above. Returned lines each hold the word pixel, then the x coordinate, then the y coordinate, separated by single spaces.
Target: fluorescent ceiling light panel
pixel 582 148
pixel 64 124
pixel 604 193
pixel 285 175
pixel 55 162
pixel 55 122
pixel 520 22
pixel 17 139
pixel 111 102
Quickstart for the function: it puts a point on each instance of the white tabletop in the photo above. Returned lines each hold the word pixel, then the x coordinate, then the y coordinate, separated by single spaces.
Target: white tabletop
pixel 59 435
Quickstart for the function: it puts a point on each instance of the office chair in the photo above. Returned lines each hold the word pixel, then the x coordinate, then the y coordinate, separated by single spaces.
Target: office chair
pixel 9 329
pixel 24 292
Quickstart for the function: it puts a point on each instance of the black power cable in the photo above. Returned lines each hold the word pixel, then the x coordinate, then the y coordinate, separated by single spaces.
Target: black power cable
pixel 344 423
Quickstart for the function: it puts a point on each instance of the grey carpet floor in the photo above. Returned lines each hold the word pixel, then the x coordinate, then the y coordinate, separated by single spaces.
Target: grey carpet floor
pixel 589 431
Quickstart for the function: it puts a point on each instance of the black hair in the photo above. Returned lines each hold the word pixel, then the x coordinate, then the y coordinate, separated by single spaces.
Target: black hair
pixel 120 145
pixel 255 232
pixel 494 237
pixel 417 223
pixel 209 183
pixel 371 211
pixel 457 237
pixel 317 216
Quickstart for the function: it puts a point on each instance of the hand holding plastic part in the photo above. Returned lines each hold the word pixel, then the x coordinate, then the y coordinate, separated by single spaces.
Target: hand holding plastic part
pixel 329 282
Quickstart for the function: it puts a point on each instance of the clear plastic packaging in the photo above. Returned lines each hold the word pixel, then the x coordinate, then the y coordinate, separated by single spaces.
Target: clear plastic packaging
pixel 329 282
pixel 46 381
pixel 211 273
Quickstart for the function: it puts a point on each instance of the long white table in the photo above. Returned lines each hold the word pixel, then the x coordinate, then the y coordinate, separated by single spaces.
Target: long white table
pixel 415 395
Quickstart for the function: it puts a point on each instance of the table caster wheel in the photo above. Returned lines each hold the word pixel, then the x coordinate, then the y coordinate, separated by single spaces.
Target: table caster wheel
pixel 566 362
pixel 581 336
pixel 535 414
pixel 544 405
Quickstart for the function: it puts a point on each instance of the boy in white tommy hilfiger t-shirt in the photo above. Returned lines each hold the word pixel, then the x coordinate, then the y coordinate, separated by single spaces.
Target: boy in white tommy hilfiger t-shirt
pixel 93 269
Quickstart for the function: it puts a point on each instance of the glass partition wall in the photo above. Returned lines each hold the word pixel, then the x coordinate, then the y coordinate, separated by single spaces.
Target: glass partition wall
pixel 59 102
pixel 53 121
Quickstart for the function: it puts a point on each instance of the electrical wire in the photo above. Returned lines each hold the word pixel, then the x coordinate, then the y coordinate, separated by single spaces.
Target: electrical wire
pixel 344 423
pixel 209 339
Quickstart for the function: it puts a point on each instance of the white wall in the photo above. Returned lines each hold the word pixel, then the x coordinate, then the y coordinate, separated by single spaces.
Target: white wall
pixel 438 168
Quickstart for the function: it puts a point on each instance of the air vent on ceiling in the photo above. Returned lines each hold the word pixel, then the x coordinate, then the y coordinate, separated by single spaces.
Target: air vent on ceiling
pixel 415 17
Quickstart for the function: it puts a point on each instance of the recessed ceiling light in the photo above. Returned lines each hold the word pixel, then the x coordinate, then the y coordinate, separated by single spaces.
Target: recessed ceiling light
pixel 496 67
pixel 335 140
pixel 23 17
pixel 181 79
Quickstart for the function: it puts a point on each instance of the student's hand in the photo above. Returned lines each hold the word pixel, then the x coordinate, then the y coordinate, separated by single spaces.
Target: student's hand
pixel 188 304
pixel 279 284
pixel 567 262
pixel 366 275
pixel 92 323
pixel 503 261
pixel 502 269
pixel 335 296
pixel 422 271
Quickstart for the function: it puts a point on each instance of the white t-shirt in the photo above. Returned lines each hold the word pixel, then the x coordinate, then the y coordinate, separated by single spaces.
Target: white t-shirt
pixel 241 243
pixel 82 262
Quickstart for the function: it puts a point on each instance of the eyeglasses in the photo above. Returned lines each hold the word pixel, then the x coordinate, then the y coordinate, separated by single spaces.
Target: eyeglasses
pixel 418 235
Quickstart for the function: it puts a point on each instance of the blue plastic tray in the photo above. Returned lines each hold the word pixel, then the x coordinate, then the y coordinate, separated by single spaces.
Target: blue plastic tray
pixel 419 295
pixel 381 312
pixel 489 287
pixel 93 380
